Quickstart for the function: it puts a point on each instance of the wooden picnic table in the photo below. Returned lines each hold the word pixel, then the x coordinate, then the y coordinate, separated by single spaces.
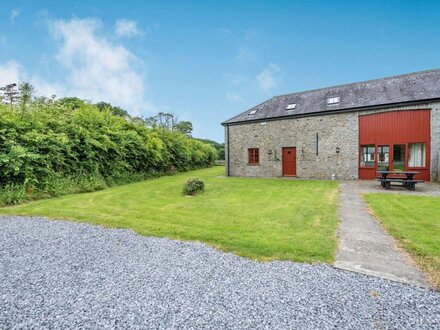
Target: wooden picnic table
pixel 396 177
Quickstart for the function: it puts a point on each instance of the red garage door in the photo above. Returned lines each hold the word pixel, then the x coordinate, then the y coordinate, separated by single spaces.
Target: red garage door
pixel 395 140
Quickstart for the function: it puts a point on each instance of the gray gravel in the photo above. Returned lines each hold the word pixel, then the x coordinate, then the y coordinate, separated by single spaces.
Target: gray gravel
pixel 56 274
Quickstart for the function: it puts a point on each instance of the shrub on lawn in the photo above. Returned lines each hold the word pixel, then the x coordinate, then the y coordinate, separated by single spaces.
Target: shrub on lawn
pixel 193 186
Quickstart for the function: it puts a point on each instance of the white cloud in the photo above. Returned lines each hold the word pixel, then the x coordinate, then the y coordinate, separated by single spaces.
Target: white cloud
pixel 235 97
pixel 13 15
pixel 93 68
pixel 10 72
pixel 44 88
pixel 268 78
pixel 97 69
pixel 127 28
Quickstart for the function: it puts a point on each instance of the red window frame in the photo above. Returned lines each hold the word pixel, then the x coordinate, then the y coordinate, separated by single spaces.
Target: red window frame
pixel 361 155
pixel 391 155
pixel 425 160
pixel 253 156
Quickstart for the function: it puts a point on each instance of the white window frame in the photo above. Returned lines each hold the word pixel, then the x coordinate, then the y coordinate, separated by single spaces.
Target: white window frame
pixel 291 106
pixel 333 100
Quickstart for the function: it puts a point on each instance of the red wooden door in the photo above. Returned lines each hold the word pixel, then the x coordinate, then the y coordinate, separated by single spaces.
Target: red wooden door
pixel 289 161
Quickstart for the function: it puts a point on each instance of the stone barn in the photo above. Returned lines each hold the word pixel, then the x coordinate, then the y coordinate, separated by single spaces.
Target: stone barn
pixel 344 132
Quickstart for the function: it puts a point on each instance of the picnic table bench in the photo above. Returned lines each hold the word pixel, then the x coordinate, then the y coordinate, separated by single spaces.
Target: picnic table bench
pixel 406 178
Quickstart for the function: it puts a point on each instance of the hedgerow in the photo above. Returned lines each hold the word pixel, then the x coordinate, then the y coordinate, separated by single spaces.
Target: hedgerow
pixel 49 148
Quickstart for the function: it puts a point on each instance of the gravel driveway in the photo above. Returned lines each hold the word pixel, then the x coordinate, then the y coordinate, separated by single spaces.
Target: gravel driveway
pixel 56 274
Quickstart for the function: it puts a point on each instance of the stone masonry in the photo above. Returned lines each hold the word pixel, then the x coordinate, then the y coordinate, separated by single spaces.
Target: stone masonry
pixel 334 131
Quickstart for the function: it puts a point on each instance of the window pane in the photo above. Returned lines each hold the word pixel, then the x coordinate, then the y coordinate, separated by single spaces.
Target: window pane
pixel 399 157
pixel 383 155
pixel 417 155
pixel 253 156
pixel 368 155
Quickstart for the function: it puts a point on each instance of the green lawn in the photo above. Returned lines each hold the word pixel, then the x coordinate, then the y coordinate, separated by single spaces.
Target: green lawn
pixel 415 222
pixel 264 219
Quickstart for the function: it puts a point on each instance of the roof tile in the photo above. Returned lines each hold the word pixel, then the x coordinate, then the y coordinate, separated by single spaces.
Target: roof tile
pixel 412 87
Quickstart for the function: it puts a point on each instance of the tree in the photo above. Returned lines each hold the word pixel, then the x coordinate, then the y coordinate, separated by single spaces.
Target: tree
pixel 219 147
pixel 184 127
pixel 221 152
pixel 162 120
pixel 170 122
pixel 117 111
pixel 139 121
pixel 11 94
pixel 71 103
pixel 26 93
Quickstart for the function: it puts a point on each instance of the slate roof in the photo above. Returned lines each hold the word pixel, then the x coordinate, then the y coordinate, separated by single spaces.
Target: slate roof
pixel 407 88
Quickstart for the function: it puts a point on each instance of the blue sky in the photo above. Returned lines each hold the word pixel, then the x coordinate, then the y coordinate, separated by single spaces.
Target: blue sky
pixel 206 61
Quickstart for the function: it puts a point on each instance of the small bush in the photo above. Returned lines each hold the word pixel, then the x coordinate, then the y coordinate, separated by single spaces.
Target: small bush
pixel 89 183
pixel 193 186
pixel 12 195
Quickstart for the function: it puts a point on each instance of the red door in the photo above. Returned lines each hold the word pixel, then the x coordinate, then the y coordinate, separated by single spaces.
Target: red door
pixel 289 161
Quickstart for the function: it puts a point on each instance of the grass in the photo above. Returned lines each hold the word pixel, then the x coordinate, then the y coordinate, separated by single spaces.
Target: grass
pixel 264 219
pixel 415 222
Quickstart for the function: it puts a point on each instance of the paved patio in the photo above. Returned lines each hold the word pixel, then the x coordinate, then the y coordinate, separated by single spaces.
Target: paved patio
pixel 367 186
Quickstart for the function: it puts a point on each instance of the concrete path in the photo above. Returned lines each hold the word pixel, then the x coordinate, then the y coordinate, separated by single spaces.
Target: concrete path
pixel 365 247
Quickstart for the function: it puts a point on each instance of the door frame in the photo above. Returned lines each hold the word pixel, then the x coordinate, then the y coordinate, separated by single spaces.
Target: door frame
pixel 405 156
pixel 282 162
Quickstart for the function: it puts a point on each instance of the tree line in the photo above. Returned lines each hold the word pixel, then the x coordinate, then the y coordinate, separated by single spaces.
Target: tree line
pixel 51 146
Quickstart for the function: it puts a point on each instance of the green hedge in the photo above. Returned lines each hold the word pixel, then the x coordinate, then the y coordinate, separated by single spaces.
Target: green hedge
pixel 49 149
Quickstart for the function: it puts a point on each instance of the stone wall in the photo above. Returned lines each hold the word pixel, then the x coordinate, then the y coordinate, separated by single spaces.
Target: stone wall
pixel 334 130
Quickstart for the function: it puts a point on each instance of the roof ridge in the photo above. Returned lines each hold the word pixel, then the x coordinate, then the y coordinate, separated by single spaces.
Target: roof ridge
pixel 359 82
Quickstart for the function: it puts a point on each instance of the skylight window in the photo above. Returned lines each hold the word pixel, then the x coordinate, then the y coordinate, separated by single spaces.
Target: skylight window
pixel 253 112
pixel 333 100
pixel 291 106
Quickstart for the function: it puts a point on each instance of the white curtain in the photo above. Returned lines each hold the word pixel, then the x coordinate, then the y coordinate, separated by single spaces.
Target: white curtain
pixel 417 155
